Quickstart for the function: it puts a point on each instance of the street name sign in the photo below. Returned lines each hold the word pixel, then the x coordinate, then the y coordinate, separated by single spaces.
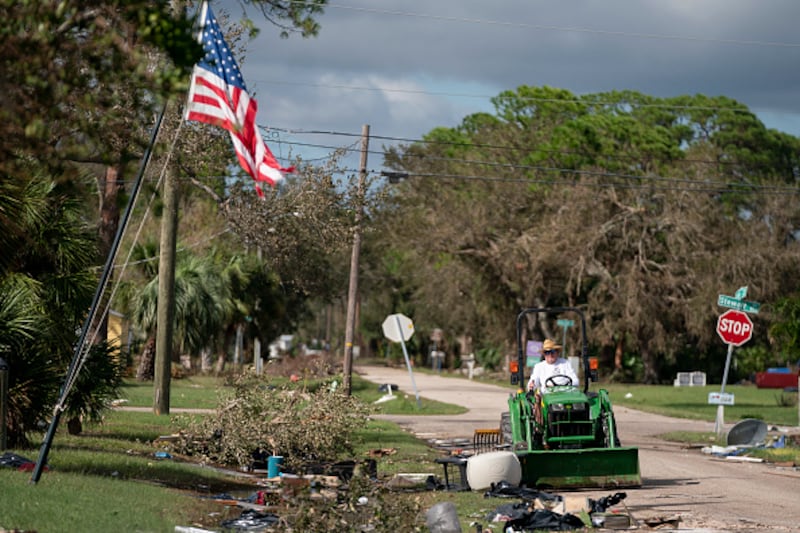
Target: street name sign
pixel 738 304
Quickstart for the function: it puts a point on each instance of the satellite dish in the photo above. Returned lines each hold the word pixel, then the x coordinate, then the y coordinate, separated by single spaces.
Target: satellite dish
pixel 748 432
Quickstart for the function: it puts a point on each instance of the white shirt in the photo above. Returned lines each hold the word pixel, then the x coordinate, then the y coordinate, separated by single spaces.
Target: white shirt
pixel 544 370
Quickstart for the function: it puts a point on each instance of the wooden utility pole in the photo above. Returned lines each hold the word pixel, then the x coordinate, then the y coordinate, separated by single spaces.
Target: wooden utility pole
pixel 165 314
pixel 352 292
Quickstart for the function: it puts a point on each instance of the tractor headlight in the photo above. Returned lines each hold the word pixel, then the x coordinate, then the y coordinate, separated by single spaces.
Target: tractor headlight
pixel 579 406
pixel 557 407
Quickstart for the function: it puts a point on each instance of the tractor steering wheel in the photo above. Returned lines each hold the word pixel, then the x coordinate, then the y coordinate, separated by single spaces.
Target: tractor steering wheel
pixel 558 380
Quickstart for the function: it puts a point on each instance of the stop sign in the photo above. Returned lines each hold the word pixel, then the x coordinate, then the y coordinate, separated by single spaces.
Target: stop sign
pixel 734 327
pixel 398 327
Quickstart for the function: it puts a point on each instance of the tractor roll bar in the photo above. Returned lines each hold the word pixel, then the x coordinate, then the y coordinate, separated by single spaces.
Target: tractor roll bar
pixel 552 310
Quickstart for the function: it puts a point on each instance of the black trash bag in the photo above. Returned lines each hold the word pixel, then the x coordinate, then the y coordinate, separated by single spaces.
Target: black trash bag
pixel 504 489
pixel 13 460
pixel 508 511
pixel 600 506
pixel 250 520
pixel 519 516
pixel 434 483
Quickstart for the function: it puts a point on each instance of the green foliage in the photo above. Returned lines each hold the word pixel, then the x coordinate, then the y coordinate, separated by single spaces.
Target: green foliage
pixel 46 286
pixel 756 358
pixel 638 209
pixel 785 330
pixel 263 419
pixel 490 358
pixel 77 75
pixel 292 15
pixel 97 384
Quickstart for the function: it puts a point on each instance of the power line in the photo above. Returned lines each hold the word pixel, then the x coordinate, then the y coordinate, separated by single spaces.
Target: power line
pixel 486 146
pixel 570 29
pixel 501 97
pixel 697 185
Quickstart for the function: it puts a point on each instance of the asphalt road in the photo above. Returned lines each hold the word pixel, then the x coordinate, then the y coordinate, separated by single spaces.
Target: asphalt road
pixel 708 493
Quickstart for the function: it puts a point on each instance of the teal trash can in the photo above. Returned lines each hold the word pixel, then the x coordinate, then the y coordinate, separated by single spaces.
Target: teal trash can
pixel 274 463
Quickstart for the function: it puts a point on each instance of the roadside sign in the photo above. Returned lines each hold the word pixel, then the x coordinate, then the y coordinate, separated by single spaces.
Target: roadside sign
pixel 738 304
pixel 734 327
pixel 564 323
pixel 720 398
pixel 398 327
pixel 533 353
pixel 741 293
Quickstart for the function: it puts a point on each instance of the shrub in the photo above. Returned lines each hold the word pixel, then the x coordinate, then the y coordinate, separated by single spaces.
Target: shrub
pixel 490 358
pixel 261 419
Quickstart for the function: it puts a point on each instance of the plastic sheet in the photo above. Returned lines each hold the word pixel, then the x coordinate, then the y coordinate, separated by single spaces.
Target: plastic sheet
pixel 443 518
pixel 250 520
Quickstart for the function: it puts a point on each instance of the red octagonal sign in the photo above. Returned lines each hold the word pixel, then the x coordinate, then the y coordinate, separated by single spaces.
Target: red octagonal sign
pixel 734 327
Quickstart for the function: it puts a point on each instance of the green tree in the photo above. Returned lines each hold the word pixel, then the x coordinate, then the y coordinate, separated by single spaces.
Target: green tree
pixel 639 209
pixel 47 285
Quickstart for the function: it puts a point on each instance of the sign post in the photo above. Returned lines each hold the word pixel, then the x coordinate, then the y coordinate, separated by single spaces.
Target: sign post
pixel 400 328
pixel 735 328
pixel 566 324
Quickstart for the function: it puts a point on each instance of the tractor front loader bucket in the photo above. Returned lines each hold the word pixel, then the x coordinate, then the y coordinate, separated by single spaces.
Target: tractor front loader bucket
pixel 581 468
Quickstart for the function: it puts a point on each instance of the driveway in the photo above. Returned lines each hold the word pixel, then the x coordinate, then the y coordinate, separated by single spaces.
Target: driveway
pixel 709 494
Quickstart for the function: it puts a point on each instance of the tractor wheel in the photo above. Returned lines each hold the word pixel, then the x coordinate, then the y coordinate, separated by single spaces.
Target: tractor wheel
pixel 505 428
pixel 605 436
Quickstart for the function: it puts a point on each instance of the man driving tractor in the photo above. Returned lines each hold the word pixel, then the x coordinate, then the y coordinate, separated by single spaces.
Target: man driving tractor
pixel 553 370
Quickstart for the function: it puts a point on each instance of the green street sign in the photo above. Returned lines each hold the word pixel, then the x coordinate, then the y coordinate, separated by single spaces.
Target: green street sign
pixel 741 293
pixel 565 323
pixel 738 304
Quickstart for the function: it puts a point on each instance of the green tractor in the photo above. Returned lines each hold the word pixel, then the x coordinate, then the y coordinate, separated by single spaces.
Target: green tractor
pixel 568 440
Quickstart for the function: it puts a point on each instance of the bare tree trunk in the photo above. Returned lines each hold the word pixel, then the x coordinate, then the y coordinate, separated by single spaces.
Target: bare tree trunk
pixel 205 360
pixel 650 364
pixel 220 366
pixel 147 363
pixel 618 355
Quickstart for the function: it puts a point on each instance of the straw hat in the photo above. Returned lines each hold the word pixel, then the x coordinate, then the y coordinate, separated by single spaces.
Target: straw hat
pixel 550 345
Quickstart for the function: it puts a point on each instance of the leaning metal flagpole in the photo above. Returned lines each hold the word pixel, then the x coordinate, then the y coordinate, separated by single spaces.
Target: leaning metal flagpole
pixel 87 324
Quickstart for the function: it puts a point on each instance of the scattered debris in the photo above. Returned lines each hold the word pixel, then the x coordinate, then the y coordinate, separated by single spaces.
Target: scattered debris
pixel 546 511
pixel 520 517
pixel 382 452
pixel 18 462
pixel 663 521
pixel 443 518
pixel 251 520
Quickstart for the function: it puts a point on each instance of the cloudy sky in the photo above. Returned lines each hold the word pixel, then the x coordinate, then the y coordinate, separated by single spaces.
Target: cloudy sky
pixel 405 67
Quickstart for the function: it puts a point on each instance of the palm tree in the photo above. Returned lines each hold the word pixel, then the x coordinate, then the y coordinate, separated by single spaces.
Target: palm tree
pixel 46 285
pixel 202 305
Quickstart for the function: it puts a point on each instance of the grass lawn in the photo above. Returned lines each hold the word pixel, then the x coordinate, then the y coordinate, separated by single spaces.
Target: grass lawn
pixel 770 405
pixel 109 478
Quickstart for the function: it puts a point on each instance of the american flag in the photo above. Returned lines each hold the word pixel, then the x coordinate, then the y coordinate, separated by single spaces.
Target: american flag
pixel 218 96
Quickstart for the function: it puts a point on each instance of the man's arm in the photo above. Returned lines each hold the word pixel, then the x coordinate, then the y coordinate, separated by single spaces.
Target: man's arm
pixel 536 381
pixel 571 373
